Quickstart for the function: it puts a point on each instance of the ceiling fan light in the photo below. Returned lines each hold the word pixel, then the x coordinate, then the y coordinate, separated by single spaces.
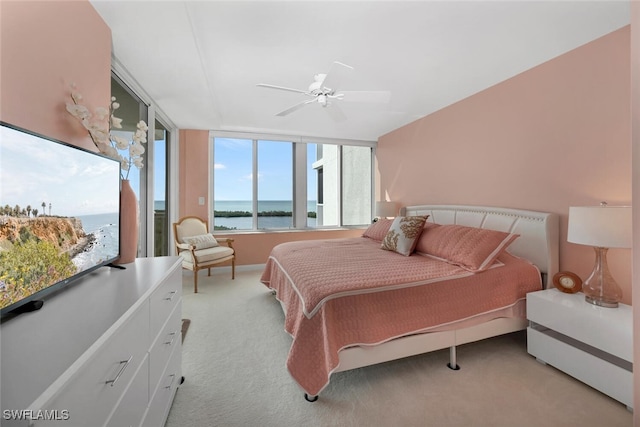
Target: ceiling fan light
pixel 322 99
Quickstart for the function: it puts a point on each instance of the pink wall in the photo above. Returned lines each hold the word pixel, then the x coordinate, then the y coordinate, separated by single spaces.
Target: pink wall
pixel 635 136
pixel 555 136
pixel 41 56
pixel 194 172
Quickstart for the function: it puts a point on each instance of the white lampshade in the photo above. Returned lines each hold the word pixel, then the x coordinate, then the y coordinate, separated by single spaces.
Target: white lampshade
pixel 386 209
pixel 600 226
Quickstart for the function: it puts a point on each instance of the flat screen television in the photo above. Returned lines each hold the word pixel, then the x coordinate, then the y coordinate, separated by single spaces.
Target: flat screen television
pixel 59 216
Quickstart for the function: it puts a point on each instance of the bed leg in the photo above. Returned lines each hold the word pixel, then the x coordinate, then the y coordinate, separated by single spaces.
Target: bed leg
pixel 310 398
pixel 452 359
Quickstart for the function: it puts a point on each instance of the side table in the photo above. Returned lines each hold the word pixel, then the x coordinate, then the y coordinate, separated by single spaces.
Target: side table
pixel 591 343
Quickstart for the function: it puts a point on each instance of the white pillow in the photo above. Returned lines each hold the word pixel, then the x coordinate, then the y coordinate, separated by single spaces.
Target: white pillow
pixel 403 234
pixel 203 241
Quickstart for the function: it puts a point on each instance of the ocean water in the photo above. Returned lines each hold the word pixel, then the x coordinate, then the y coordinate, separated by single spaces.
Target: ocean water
pixel 245 205
pixel 263 205
pixel 246 223
pixel 105 229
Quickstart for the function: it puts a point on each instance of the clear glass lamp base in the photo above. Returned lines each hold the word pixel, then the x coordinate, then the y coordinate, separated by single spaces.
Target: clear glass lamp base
pixel 600 288
pixel 600 302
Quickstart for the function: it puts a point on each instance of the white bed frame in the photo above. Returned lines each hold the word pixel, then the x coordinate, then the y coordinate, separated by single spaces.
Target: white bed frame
pixel 538 242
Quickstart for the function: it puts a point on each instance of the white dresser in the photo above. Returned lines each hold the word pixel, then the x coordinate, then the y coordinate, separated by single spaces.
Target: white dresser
pixel 593 344
pixel 104 352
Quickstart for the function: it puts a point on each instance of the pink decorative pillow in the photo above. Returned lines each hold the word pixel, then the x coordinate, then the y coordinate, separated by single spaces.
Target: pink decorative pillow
pixel 378 229
pixel 403 234
pixel 474 249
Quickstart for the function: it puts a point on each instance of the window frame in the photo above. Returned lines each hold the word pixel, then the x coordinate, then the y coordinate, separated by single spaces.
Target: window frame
pixel 299 174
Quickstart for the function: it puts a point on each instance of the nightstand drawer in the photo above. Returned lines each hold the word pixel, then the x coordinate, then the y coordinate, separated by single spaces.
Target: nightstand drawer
pixel 608 329
pixel 605 375
pixel 591 343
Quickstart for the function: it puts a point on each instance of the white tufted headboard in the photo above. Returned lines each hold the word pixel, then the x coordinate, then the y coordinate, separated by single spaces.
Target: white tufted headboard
pixel 539 231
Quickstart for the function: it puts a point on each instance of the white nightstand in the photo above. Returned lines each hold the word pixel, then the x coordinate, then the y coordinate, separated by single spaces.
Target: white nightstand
pixel 593 344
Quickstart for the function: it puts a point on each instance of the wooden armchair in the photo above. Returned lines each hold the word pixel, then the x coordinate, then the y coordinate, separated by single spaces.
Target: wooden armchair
pixel 199 249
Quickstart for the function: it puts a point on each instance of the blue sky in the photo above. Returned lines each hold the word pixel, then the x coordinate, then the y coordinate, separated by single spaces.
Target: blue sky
pixel 233 170
pixel 73 181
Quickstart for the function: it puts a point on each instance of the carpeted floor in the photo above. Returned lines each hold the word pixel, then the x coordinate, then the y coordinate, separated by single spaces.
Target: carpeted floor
pixel 235 375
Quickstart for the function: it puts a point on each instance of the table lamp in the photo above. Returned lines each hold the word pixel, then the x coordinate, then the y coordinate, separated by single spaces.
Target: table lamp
pixel 386 209
pixel 602 227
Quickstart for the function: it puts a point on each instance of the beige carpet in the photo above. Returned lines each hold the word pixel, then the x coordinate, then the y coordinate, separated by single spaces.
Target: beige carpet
pixel 235 375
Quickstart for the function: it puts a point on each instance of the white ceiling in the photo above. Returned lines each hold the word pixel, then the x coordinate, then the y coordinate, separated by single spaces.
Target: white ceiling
pixel 200 61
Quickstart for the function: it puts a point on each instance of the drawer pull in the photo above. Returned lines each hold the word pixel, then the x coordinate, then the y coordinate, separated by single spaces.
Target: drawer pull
pixel 173 377
pixel 173 337
pixel 171 295
pixel 124 364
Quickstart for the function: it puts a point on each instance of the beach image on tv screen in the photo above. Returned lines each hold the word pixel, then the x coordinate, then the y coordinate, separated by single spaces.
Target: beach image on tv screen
pixel 58 213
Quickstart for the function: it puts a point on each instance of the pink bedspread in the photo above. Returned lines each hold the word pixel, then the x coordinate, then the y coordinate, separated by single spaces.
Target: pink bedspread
pixel 343 292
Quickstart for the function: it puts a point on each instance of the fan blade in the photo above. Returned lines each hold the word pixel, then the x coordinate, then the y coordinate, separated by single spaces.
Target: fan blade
pixel 379 97
pixel 295 107
pixel 334 77
pixel 282 88
pixel 335 112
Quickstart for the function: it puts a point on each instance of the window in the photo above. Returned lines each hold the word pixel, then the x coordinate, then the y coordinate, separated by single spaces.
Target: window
pixel 356 185
pixel 342 175
pixel 325 162
pixel 160 196
pixel 275 185
pixel 259 184
pixel 233 184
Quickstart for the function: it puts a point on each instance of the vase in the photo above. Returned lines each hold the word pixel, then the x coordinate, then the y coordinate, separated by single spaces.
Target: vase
pixel 128 224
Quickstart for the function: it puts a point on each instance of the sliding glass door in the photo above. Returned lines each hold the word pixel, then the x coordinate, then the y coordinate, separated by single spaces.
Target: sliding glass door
pixel 150 183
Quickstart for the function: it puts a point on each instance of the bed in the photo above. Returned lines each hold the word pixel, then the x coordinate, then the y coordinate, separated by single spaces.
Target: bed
pixel 349 304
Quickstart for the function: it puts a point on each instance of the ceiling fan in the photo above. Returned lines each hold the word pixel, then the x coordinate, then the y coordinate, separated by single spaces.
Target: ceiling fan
pixel 324 91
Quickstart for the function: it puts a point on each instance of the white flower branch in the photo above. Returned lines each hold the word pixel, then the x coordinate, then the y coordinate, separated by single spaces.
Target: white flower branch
pixel 100 125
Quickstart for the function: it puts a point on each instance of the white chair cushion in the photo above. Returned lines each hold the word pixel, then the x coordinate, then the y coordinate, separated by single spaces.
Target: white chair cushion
pixel 208 255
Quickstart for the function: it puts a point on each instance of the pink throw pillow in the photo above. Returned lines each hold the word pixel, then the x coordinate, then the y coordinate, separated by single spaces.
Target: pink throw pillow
pixel 474 249
pixel 378 229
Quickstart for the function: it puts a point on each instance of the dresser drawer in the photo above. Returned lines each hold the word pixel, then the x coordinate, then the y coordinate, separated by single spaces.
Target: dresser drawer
pixel 92 387
pixel 169 338
pixel 163 394
pixel 164 300
pixel 133 404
